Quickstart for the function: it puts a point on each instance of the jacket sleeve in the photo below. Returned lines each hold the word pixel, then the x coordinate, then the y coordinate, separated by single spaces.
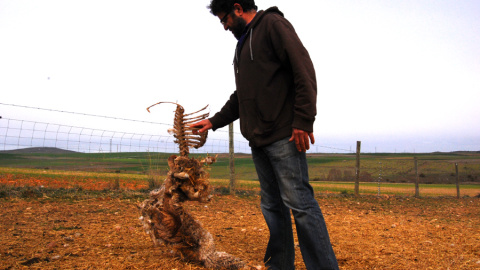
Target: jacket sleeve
pixel 291 52
pixel 227 114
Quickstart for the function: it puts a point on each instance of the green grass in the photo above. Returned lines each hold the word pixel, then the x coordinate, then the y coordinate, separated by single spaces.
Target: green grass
pixel 328 172
pixel 345 188
pixel 243 187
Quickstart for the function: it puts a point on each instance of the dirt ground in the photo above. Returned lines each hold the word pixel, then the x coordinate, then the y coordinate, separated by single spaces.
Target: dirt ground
pixel 367 233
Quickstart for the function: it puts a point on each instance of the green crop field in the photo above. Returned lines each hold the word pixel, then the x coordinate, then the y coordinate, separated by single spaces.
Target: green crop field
pixel 379 173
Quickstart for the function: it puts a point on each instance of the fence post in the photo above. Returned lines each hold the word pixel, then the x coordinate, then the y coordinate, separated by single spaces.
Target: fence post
pixel 357 170
pixel 379 178
pixel 417 189
pixel 232 158
pixel 457 180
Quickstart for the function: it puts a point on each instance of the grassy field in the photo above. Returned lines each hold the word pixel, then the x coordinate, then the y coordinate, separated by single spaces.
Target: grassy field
pixel 392 165
pixel 380 174
pixel 41 178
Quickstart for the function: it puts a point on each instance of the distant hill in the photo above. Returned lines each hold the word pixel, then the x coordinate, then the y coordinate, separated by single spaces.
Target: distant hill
pixel 38 150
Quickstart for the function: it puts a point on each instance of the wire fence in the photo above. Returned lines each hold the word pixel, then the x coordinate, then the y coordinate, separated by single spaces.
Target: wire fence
pixel 388 175
pixel 85 133
pixel 20 134
pixel 381 176
pixel 16 133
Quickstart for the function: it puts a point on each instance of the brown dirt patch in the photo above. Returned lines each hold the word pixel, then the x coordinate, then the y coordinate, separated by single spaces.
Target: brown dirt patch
pixel 367 233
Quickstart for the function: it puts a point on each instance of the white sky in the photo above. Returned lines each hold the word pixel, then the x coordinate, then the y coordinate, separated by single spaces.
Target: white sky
pixel 396 75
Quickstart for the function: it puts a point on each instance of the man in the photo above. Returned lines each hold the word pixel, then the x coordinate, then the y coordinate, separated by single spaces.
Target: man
pixel 275 101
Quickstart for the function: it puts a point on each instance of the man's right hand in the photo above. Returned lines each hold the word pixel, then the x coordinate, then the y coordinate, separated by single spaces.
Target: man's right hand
pixel 201 126
pixel 301 139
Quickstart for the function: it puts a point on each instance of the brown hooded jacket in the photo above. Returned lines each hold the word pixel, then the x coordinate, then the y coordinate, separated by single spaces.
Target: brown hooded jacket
pixel 276 84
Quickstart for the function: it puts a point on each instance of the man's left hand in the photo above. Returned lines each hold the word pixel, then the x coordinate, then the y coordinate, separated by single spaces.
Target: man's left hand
pixel 302 139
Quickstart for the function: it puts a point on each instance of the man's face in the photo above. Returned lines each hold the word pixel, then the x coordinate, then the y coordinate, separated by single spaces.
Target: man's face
pixel 233 23
pixel 238 25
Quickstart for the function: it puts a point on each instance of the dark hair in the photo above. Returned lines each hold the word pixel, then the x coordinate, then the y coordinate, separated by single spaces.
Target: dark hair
pixel 226 6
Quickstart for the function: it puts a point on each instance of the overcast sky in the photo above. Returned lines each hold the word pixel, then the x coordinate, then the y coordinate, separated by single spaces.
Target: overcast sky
pixel 396 75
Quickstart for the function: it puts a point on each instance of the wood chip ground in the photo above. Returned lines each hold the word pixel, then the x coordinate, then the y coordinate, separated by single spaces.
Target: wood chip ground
pixel 366 232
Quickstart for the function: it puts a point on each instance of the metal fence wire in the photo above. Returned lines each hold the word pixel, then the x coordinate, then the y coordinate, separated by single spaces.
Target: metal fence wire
pixel 18 134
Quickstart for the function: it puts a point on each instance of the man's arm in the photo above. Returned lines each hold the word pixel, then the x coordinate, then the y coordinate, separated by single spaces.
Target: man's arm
pixel 225 116
pixel 290 50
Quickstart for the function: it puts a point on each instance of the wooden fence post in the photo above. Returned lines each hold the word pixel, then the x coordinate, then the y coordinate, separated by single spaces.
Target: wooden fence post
pixel 357 170
pixel 231 158
pixel 457 180
pixel 417 189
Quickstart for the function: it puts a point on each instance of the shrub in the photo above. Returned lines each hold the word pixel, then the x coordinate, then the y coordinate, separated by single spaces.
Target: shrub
pixel 348 175
pixel 365 177
pixel 116 184
pixel 222 190
pixel 153 183
pixel 334 175
pixel 30 192
pixel 154 179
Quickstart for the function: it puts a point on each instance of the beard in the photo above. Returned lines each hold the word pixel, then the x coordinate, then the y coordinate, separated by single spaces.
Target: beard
pixel 238 26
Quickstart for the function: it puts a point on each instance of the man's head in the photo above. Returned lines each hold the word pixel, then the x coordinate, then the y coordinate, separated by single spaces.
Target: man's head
pixel 227 6
pixel 234 14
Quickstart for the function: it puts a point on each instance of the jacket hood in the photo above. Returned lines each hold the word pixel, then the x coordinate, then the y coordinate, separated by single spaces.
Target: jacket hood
pixel 262 13
pixel 258 17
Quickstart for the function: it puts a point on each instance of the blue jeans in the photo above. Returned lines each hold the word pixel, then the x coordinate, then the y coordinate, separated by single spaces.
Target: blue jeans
pixel 283 174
